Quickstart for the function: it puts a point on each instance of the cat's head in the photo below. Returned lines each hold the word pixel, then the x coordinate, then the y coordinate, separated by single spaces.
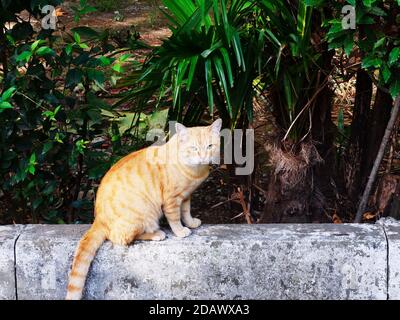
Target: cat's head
pixel 199 145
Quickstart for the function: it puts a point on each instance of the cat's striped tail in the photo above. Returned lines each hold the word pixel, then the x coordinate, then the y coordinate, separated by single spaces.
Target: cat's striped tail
pixel 84 255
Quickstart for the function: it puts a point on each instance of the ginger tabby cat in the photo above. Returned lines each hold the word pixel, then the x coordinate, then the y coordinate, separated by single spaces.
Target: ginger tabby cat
pixel 142 186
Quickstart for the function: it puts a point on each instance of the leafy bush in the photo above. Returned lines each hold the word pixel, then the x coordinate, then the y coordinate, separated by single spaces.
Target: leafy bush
pixel 376 37
pixel 58 133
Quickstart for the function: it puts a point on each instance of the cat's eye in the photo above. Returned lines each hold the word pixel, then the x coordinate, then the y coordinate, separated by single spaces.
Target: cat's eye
pixel 210 146
pixel 193 148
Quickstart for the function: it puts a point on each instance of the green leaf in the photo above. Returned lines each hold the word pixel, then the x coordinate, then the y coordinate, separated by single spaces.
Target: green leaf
pixel 32 159
pixel 182 10
pixel 216 12
pixel 81 145
pixel 238 50
pixel 68 49
pixel 83 46
pixel 395 88
pixel 48 113
pixel 77 37
pixel 45 50
pixel 370 61
pixel 368 3
pixel 180 73
pixel 377 12
pixel 51 114
pixel 5 105
pixel 365 19
pixel 58 137
pixel 207 52
pixel 24 56
pixel 273 38
pixel 36 43
pixel 379 43
pixel 192 69
pixel 117 68
pixel 221 75
pixel 57 109
pixel 8 93
pixel 348 44
pixel 314 3
pixel 394 55
pixel 31 165
pixel 124 57
pixel 10 39
pixel 228 67
pixel 208 73
pixel 386 73
pixel 225 21
pixel 105 61
pixel 31 169
pixel 301 18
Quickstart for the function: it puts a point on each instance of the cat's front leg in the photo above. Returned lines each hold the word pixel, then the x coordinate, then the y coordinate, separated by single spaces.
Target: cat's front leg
pixel 172 211
pixel 187 218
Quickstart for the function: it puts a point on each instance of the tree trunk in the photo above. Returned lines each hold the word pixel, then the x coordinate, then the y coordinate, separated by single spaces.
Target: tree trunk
pixel 358 137
pixel 3 52
pixel 380 115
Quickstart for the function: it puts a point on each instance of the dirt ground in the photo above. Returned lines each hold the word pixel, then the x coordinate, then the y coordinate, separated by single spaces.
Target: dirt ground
pixel 145 16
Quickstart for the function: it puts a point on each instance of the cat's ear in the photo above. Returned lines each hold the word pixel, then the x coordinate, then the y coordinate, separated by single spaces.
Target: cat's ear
pixel 216 126
pixel 180 129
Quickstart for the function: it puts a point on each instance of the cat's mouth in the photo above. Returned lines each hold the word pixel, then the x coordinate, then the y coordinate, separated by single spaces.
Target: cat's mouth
pixel 197 162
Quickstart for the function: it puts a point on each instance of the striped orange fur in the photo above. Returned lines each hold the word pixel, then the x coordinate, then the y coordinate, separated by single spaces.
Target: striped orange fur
pixel 140 188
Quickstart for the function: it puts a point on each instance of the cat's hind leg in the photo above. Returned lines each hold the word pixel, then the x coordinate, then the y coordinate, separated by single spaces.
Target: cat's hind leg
pixel 158 235
pixel 124 234
pixel 151 227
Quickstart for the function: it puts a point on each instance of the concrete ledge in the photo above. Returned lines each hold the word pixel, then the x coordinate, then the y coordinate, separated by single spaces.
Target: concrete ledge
pixel 392 230
pixel 307 261
pixel 8 236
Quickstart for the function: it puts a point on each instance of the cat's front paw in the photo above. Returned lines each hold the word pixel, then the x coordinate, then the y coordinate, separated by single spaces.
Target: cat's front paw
pixel 194 223
pixel 182 233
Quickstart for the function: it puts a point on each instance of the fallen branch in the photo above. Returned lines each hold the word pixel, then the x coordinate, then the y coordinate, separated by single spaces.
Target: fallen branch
pixel 378 160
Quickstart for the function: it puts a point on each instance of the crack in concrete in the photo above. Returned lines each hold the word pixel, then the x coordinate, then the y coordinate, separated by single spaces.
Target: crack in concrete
pixel 15 266
pixel 15 261
pixel 387 262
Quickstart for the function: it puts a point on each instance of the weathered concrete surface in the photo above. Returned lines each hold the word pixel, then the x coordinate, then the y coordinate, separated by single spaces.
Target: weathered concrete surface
pixel 8 236
pixel 215 262
pixel 392 229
